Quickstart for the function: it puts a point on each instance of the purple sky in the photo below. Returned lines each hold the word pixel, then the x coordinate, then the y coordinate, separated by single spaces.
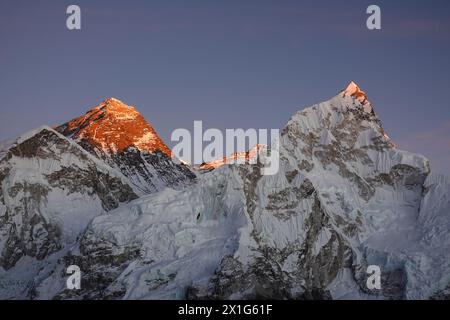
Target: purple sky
pixel 232 64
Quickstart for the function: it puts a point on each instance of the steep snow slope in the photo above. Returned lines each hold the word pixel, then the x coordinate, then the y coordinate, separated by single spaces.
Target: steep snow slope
pixel 50 190
pixel 434 225
pixel 246 156
pixel 4 146
pixel 169 238
pixel 119 135
pixel 344 198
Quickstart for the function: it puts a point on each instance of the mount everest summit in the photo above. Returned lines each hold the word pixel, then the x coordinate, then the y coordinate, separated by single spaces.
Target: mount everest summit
pixel 103 192
pixel 120 136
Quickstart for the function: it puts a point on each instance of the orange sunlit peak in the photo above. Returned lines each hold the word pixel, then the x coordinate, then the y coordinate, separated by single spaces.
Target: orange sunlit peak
pixel 353 90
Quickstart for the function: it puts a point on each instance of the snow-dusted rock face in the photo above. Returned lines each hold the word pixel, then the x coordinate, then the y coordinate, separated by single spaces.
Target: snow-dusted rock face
pixel 434 227
pixel 119 135
pixel 50 190
pixel 245 156
pixel 344 198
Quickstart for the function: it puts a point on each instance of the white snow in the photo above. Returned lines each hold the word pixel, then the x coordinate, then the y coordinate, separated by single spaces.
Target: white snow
pixel 183 235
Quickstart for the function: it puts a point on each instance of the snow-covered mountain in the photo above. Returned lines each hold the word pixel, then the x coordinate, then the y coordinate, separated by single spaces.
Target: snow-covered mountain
pixel 246 156
pixel 119 135
pixel 50 190
pixel 344 198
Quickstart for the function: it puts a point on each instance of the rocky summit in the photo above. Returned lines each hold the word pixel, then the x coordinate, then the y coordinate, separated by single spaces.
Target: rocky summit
pixel 344 198
pixel 120 136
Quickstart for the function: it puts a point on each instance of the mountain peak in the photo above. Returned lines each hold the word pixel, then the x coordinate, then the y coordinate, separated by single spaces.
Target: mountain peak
pixel 114 102
pixel 113 126
pixel 117 108
pixel 353 90
pixel 245 155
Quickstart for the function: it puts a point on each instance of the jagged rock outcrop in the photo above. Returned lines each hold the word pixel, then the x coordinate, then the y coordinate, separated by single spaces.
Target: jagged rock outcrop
pixel 119 135
pixel 50 190
pixel 344 198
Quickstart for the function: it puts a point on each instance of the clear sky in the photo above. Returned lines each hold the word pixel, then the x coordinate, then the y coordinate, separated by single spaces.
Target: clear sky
pixel 232 64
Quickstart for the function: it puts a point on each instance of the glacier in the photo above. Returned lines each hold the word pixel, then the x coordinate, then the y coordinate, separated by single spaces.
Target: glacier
pixel 344 198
